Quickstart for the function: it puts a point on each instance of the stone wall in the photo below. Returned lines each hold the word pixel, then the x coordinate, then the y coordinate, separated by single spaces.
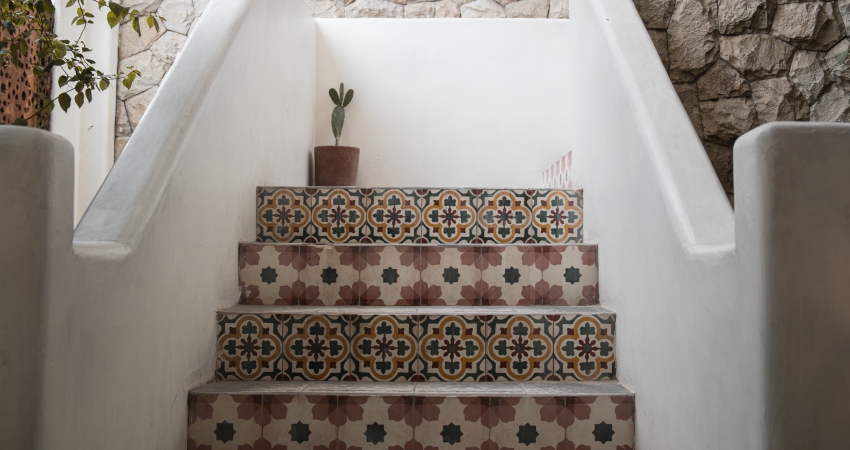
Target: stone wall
pixel 737 64
pixel 422 9
pixel 153 54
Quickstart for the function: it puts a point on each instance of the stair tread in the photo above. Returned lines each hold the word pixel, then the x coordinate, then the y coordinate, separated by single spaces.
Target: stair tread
pixel 424 389
pixel 423 244
pixel 416 310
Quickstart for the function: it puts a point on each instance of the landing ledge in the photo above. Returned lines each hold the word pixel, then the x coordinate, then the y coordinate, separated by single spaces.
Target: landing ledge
pixel 424 389
pixel 416 310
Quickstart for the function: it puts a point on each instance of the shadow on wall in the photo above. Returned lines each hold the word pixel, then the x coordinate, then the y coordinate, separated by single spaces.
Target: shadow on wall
pixel 737 64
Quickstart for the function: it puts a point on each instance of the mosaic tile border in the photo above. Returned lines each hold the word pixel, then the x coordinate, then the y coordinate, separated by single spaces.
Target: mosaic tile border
pixel 412 275
pixel 419 215
pixel 415 347
pixel 321 421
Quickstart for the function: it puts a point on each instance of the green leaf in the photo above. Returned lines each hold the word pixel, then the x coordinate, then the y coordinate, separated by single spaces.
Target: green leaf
pixel 70 3
pixel 334 96
pixel 348 96
pixel 136 26
pixel 79 99
pixel 337 120
pixel 63 80
pixel 341 91
pixel 64 101
pixel 88 95
pixel 112 19
pixel 20 121
pixel 116 9
pixel 152 23
pixel 104 84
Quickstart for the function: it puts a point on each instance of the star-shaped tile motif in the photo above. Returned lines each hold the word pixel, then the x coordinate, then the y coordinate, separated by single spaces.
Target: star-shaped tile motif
pixel 329 275
pixel 511 275
pixel 451 433
pixel 527 434
pixel 300 432
pixel 390 275
pixel 603 432
pixel 572 275
pixel 268 275
pixel 224 431
pixel 375 433
pixel 451 275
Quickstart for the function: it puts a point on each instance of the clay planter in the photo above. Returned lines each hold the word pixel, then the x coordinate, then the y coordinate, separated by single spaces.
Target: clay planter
pixel 336 165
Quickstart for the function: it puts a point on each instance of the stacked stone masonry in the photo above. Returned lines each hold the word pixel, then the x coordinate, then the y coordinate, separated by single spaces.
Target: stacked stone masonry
pixel 737 64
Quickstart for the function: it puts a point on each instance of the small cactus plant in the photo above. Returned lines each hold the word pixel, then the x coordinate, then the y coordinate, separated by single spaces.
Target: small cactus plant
pixel 341 99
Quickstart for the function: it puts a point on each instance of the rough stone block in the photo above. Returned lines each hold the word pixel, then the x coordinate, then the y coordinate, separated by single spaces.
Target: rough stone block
pixel 560 9
pixel 373 9
pixel 723 120
pixel 811 26
pixel 691 41
pixel 720 81
pixel 659 40
pixel 808 72
pixel 482 9
pixel 756 55
pixel 690 100
pixel 743 16
pixel 655 13
pixel 832 106
pixel 778 99
pixel 528 9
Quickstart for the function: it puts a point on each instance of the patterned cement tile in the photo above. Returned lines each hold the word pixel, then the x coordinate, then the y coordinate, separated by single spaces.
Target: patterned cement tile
pixel 377 422
pixel 390 275
pixel 448 216
pixel 283 214
pixel 450 423
pixel 519 348
pixel 249 347
pixel 299 422
pixel 394 216
pixel 528 422
pixel 384 347
pixel 601 423
pixel 584 349
pixel 225 422
pixel 316 347
pixel 332 274
pixel 452 270
pixel 453 348
pixel 511 274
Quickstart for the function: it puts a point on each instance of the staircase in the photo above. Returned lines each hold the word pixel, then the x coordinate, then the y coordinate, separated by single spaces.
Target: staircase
pixel 415 319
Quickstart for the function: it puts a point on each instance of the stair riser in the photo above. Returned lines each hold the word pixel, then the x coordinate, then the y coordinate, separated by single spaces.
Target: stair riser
pixel 560 347
pixel 395 215
pixel 375 275
pixel 405 422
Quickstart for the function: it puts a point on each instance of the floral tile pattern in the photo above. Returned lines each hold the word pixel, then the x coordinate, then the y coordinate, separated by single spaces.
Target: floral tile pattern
pixel 316 347
pixel 397 215
pixel 428 275
pixel 390 275
pixel 249 347
pixel 394 422
pixel 450 423
pixel 394 216
pixel 377 422
pixel 331 274
pixel 504 216
pixel 448 215
pixel 511 274
pixel 298 422
pixel 452 348
pixel 601 422
pixel 402 347
pixel 556 215
pixel 283 215
pixel 584 347
pixel 225 422
pixel 529 422
pixel 572 274
pixel 268 274
pixel 519 348
pixel 452 270
pixel 339 215
pixel 384 348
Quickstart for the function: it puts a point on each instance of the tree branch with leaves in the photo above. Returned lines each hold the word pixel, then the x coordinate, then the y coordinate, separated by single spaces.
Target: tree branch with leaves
pixel 21 19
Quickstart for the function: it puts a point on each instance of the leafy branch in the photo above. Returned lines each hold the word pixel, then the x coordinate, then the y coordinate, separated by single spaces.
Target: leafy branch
pixel 22 19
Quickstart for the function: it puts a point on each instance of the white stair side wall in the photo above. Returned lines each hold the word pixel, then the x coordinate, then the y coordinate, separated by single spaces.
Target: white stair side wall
pixel 447 102
pixel 129 329
pixel 688 343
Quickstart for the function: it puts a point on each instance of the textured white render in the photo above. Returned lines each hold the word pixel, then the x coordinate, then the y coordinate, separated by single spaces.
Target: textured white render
pixel 688 345
pixel 126 339
pixel 447 102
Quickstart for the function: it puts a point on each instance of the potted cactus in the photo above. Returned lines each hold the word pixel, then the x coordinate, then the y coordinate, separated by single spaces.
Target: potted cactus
pixel 336 165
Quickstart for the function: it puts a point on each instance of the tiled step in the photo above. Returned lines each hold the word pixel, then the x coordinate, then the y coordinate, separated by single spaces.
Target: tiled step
pixel 413 275
pixel 418 215
pixel 342 416
pixel 428 343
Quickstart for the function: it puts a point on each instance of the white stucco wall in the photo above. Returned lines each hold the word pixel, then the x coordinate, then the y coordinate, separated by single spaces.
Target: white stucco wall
pixel 447 102
pixel 127 338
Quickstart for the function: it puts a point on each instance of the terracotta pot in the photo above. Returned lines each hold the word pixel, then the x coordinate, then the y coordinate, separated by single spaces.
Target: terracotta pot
pixel 336 165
